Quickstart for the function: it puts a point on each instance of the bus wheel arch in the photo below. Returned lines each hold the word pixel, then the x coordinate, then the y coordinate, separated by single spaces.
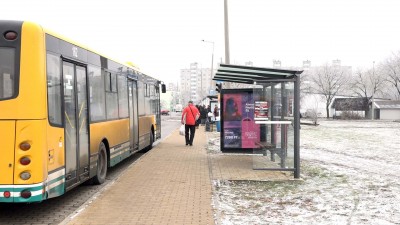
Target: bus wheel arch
pixel 151 141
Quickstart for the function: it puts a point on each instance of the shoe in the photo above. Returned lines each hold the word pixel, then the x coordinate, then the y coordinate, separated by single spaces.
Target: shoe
pixel 191 144
pixel 186 143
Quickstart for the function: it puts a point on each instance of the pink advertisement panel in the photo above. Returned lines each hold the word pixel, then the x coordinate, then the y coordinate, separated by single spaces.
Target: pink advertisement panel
pixel 239 128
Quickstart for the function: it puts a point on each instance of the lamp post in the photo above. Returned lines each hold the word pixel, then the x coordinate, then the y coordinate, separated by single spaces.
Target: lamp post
pixel 226 26
pixel 212 62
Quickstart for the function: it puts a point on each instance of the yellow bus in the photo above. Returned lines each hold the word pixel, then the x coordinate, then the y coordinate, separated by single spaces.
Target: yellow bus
pixel 67 113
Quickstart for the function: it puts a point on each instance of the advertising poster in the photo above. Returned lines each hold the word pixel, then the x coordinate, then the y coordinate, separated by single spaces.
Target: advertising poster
pixel 232 116
pixel 239 129
pixel 261 110
pixel 232 134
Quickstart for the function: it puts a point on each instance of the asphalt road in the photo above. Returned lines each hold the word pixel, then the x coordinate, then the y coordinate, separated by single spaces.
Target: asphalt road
pixel 54 211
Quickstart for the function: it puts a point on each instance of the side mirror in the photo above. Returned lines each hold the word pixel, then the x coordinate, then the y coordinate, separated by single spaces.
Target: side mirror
pixel 163 88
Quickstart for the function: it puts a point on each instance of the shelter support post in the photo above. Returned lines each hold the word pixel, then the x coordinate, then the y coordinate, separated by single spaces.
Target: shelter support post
pixel 296 106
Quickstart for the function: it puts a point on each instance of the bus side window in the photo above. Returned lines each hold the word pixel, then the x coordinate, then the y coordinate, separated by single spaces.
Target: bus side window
pixel 96 94
pixel 6 85
pixel 54 89
pixel 111 95
pixel 7 63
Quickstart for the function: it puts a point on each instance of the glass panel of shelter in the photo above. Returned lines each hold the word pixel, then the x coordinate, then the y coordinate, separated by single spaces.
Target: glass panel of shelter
pixel 273 118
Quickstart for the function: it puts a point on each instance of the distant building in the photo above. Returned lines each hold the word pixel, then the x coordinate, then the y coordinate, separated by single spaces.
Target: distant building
pixel 276 64
pixel 249 63
pixel 387 110
pixel 352 107
pixel 306 65
pixel 172 87
pixel 383 109
pixel 195 83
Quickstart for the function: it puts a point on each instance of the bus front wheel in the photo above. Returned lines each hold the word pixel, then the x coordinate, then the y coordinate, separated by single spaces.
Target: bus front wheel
pixel 101 171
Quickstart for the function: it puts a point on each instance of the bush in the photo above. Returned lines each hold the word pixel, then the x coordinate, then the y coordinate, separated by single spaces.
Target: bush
pixel 350 115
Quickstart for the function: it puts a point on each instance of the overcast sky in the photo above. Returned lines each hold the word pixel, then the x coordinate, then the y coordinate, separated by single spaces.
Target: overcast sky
pixel 164 36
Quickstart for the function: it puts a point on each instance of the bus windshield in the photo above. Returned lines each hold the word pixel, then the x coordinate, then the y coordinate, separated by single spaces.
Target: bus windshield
pixel 7 73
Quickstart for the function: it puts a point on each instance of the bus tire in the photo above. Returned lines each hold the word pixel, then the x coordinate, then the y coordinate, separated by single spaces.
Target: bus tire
pixel 101 171
pixel 151 140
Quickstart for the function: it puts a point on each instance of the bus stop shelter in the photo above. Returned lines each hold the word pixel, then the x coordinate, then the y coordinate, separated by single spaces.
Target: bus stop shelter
pixel 263 119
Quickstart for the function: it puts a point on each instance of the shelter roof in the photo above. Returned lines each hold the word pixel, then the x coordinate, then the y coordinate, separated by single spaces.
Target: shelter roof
pixel 211 97
pixel 250 74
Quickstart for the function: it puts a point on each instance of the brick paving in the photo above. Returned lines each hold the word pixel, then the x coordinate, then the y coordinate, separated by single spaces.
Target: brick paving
pixel 171 184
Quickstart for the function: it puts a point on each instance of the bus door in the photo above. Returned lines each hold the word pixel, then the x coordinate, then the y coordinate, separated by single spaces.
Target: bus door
pixel 158 114
pixel 75 124
pixel 133 114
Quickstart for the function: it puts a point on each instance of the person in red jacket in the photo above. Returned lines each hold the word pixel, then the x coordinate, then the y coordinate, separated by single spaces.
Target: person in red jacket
pixel 189 116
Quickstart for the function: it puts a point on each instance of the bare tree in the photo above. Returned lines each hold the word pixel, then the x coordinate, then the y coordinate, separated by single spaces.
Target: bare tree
pixel 368 83
pixel 391 67
pixel 330 80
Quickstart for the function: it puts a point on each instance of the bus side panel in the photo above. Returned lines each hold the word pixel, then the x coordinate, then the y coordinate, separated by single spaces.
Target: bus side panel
pixel 145 124
pixel 55 143
pixel 56 161
pixel 116 132
pixel 33 84
pixel 7 138
pixel 33 70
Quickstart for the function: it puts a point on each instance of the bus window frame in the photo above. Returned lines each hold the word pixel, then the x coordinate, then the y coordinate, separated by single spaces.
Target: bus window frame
pixel 61 92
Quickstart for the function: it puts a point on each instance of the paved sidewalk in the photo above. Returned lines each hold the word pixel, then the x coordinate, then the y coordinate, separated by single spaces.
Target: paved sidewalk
pixel 170 185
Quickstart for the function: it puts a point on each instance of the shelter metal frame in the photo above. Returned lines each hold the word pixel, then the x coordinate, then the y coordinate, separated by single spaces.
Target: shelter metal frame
pixel 268 77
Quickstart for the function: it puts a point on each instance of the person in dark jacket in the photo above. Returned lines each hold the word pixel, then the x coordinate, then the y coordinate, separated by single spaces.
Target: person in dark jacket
pixel 189 116
pixel 198 120
pixel 203 114
pixel 216 111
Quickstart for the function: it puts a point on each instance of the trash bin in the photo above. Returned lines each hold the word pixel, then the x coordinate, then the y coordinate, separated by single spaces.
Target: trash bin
pixel 207 126
pixel 218 123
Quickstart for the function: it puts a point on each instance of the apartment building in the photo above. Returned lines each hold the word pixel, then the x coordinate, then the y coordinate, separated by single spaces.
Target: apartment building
pixel 195 83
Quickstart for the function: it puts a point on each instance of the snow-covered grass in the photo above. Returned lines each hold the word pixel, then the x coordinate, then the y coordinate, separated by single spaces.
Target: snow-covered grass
pixel 350 175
